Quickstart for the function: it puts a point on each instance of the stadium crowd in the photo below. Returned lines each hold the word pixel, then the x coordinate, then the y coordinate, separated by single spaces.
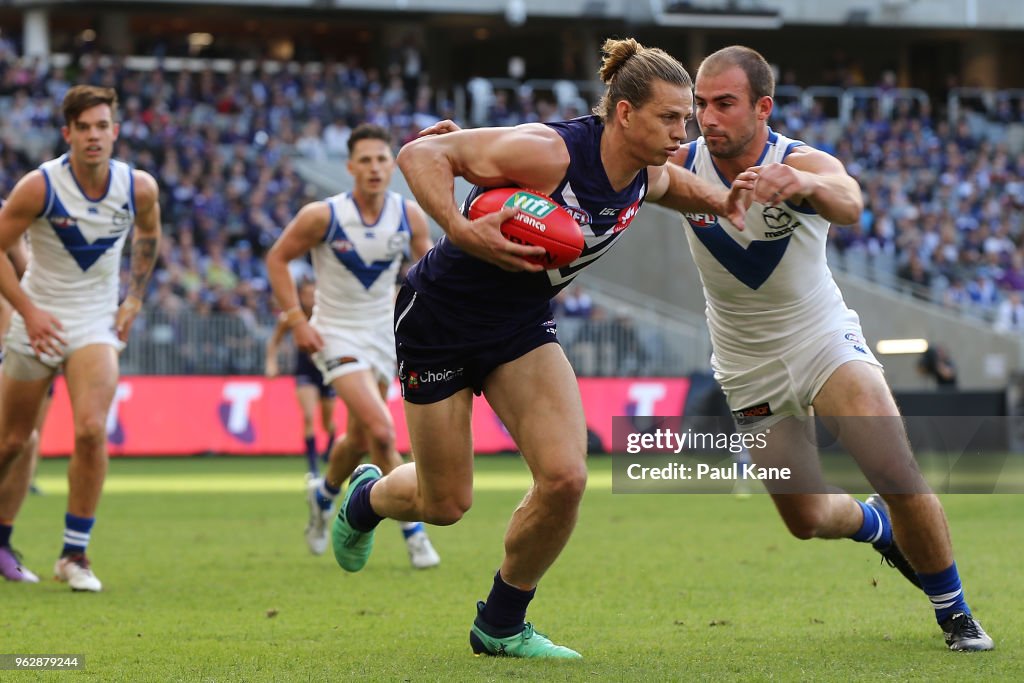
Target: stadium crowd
pixel 943 208
pixel 943 202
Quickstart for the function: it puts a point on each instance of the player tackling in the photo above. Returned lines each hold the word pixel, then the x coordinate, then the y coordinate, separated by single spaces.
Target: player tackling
pixel 785 342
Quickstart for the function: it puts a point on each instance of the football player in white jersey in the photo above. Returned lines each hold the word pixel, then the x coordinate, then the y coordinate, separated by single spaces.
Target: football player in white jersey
pixel 358 241
pixel 785 344
pixel 78 210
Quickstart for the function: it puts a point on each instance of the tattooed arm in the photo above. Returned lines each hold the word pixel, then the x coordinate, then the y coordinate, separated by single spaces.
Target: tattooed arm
pixel 144 250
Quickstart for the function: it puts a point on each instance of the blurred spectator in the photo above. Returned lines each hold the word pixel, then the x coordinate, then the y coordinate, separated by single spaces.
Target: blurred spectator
pixel 630 354
pixel 1010 314
pixel 982 291
pixel 915 273
pixel 577 303
pixel 937 364
pixel 955 295
pixel 336 136
pixel 1013 277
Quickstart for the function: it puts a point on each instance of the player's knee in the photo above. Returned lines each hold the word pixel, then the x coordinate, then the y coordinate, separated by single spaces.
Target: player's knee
pixel 13 443
pixel 566 485
pixel 90 434
pixel 446 512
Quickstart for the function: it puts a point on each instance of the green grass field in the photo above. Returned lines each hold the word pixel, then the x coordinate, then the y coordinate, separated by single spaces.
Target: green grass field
pixel 207 578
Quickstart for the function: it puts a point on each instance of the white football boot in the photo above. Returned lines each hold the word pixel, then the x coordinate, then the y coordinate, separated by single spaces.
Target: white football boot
pixel 75 571
pixel 319 519
pixel 421 553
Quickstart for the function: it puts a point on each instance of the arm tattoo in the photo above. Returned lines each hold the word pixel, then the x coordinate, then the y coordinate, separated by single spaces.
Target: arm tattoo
pixel 142 261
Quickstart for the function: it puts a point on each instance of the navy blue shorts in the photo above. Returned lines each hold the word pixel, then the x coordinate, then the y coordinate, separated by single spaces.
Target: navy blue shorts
pixel 307 374
pixel 441 352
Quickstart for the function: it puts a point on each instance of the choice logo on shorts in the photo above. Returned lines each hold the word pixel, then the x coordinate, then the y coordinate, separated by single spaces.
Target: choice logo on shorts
pixel 415 378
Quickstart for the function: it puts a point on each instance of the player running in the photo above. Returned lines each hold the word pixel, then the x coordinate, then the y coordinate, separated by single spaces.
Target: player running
pixel 475 317
pixel 358 241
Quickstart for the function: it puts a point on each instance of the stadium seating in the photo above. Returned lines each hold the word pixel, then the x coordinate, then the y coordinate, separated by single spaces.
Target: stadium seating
pixel 943 195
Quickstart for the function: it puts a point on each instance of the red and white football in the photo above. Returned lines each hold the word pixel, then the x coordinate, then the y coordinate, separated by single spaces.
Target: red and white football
pixel 541 222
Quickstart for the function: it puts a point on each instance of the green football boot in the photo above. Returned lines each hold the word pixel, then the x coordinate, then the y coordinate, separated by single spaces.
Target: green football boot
pixel 526 643
pixel 352 548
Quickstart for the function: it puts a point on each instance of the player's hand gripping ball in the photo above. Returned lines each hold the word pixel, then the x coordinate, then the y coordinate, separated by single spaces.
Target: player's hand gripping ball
pixel 541 222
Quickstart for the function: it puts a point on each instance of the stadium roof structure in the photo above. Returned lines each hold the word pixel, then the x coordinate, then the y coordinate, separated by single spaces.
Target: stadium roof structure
pixel 729 14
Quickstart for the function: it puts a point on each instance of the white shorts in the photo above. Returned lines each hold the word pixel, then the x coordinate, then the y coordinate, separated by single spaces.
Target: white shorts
pixel 761 395
pixel 349 349
pixel 77 333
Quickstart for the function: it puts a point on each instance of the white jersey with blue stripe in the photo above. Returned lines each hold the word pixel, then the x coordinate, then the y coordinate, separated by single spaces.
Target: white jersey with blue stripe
pixel 356 264
pixel 77 242
pixel 767 286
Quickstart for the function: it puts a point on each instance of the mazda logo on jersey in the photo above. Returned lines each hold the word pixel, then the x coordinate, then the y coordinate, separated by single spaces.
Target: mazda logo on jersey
pixel 397 244
pixel 779 221
pixel 121 218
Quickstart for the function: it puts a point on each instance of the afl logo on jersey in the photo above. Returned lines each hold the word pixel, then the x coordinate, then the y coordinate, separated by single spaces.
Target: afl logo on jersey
pixel 341 246
pixel 701 220
pixel 779 221
pixel 581 216
pixel 62 222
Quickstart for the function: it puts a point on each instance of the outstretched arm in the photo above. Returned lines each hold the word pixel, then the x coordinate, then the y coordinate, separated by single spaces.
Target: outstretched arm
pixel 674 187
pixel 145 250
pixel 531 155
pixel 812 176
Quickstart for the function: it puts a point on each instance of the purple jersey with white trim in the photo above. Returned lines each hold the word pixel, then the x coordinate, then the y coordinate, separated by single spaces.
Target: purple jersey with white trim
pixel 459 281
